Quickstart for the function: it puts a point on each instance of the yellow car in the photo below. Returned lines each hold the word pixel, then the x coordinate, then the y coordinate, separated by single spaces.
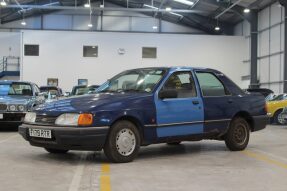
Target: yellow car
pixel 275 107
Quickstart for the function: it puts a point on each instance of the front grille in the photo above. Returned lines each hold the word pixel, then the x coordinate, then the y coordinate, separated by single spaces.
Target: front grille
pixel 3 107
pixel 13 117
pixel 46 120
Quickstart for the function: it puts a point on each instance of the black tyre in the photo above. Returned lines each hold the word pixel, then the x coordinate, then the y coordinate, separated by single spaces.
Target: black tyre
pixel 174 143
pixel 277 118
pixel 237 137
pixel 56 151
pixel 123 142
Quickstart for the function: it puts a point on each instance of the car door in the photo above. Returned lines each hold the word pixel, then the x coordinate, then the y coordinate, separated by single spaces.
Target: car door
pixel 183 114
pixel 219 104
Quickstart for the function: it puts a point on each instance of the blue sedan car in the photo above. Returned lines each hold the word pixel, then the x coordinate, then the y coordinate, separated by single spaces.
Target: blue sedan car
pixel 146 106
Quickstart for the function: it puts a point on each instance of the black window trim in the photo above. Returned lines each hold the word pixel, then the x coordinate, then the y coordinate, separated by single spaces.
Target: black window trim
pixel 227 92
pixel 181 98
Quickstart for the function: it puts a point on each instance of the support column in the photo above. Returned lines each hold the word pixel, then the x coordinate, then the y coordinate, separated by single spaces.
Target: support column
pixel 285 51
pixel 254 46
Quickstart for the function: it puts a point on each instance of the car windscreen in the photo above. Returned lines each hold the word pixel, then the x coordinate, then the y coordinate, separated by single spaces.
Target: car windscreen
pixel 139 80
pixel 17 89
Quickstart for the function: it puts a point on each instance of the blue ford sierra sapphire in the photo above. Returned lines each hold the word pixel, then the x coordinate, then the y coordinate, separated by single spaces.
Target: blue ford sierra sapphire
pixel 145 106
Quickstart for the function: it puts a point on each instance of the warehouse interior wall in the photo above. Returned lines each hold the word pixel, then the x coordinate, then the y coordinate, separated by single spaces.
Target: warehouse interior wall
pixel 61 54
pixel 270 48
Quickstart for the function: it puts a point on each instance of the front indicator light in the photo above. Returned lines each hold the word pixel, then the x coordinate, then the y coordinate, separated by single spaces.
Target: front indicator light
pixel 85 119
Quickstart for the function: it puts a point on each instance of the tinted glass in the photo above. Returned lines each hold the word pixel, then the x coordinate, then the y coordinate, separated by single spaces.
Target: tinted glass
pixel 210 84
pixel 183 83
pixel 16 89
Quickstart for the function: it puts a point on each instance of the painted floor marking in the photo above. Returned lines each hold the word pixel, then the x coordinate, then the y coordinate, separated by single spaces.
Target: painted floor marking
pixel 264 158
pixel 75 184
pixel 105 181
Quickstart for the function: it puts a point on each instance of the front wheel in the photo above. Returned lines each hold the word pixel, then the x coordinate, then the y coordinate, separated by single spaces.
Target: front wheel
pixel 123 142
pixel 277 119
pixel 237 137
pixel 56 151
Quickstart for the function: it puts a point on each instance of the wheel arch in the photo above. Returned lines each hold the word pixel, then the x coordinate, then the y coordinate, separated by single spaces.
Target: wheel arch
pixel 133 120
pixel 245 115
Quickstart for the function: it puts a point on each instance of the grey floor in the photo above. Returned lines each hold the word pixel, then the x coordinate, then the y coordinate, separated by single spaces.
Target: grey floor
pixel 199 166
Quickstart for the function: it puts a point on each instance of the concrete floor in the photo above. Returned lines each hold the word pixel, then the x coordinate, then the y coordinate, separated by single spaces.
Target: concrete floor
pixel 199 166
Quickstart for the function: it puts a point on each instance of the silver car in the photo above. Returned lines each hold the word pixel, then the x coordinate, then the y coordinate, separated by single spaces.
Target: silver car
pixel 16 98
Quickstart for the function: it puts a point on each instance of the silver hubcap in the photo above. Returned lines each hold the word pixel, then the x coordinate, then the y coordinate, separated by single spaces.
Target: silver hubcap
pixel 126 142
pixel 280 119
pixel 240 134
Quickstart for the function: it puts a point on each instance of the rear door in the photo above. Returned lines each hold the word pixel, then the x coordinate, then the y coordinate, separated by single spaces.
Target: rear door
pixel 183 115
pixel 219 104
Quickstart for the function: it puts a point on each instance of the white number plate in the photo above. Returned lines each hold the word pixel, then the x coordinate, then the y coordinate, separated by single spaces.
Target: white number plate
pixel 1 116
pixel 42 133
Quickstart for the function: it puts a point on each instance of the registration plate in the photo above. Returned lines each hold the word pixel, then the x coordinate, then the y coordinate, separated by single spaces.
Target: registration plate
pixel 41 133
pixel 1 116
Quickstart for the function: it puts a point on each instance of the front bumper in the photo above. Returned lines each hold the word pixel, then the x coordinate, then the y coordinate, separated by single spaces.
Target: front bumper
pixel 68 138
pixel 9 118
pixel 260 122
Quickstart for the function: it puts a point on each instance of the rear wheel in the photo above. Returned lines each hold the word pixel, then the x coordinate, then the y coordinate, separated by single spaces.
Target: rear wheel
pixel 123 142
pixel 237 137
pixel 56 151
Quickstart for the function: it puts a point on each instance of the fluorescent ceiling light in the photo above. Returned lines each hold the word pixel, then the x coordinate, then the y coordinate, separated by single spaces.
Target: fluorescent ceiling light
pixel 168 8
pixel 149 6
pixel 90 25
pixel 246 10
pixel 87 5
pixel 176 14
pixel 217 28
pixel 3 3
pixel 186 2
pixel 154 27
pixel 23 23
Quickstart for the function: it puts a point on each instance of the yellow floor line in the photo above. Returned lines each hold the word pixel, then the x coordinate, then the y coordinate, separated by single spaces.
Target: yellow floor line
pixel 105 181
pixel 264 159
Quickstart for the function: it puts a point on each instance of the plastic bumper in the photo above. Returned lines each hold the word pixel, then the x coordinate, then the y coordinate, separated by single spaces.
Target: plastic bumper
pixel 68 138
pixel 260 122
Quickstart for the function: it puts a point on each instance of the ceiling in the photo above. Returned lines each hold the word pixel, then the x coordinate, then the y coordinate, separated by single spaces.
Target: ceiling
pixel 203 19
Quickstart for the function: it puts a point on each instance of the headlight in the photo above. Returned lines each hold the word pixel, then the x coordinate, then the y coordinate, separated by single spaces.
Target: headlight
pixel 12 108
pixel 30 117
pixel 21 108
pixel 73 119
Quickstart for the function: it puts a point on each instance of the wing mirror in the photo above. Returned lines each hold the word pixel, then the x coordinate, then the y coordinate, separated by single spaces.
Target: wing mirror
pixel 166 94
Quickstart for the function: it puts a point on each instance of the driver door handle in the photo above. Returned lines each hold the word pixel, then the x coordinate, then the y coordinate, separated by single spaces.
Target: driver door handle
pixel 195 102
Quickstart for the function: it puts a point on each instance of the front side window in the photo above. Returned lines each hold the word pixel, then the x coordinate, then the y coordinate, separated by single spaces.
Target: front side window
pixel 182 83
pixel 139 80
pixel 210 85
pixel 16 89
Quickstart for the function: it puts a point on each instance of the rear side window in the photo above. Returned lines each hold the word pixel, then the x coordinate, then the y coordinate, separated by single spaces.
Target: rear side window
pixel 210 85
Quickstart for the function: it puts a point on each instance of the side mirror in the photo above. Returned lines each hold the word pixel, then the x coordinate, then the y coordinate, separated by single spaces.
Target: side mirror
pixel 165 94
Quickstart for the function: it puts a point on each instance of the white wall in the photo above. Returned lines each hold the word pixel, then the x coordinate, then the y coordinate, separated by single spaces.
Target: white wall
pixel 270 47
pixel 9 44
pixel 61 54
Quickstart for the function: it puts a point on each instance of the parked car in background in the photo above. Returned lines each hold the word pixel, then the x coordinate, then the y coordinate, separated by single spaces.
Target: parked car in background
pixel 283 116
pixel 16 98
pixel 146 106
pixel 264 91
pixel 83 89
pixel 270 97
pixel 53 91
pixel 275 107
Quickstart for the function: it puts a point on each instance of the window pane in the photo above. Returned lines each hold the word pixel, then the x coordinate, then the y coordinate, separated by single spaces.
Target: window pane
pixel 31 50
pixel 90 51
pixel 210 85
pixel 183 83
pixel 148 52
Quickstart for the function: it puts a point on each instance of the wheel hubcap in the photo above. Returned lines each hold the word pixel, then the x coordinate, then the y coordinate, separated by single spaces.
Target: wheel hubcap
pixel 280 119
pixel 125 142
pixel 240 134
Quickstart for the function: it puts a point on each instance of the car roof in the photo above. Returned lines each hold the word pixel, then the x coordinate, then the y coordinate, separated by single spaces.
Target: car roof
pixel 13 81
pixel 173 68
